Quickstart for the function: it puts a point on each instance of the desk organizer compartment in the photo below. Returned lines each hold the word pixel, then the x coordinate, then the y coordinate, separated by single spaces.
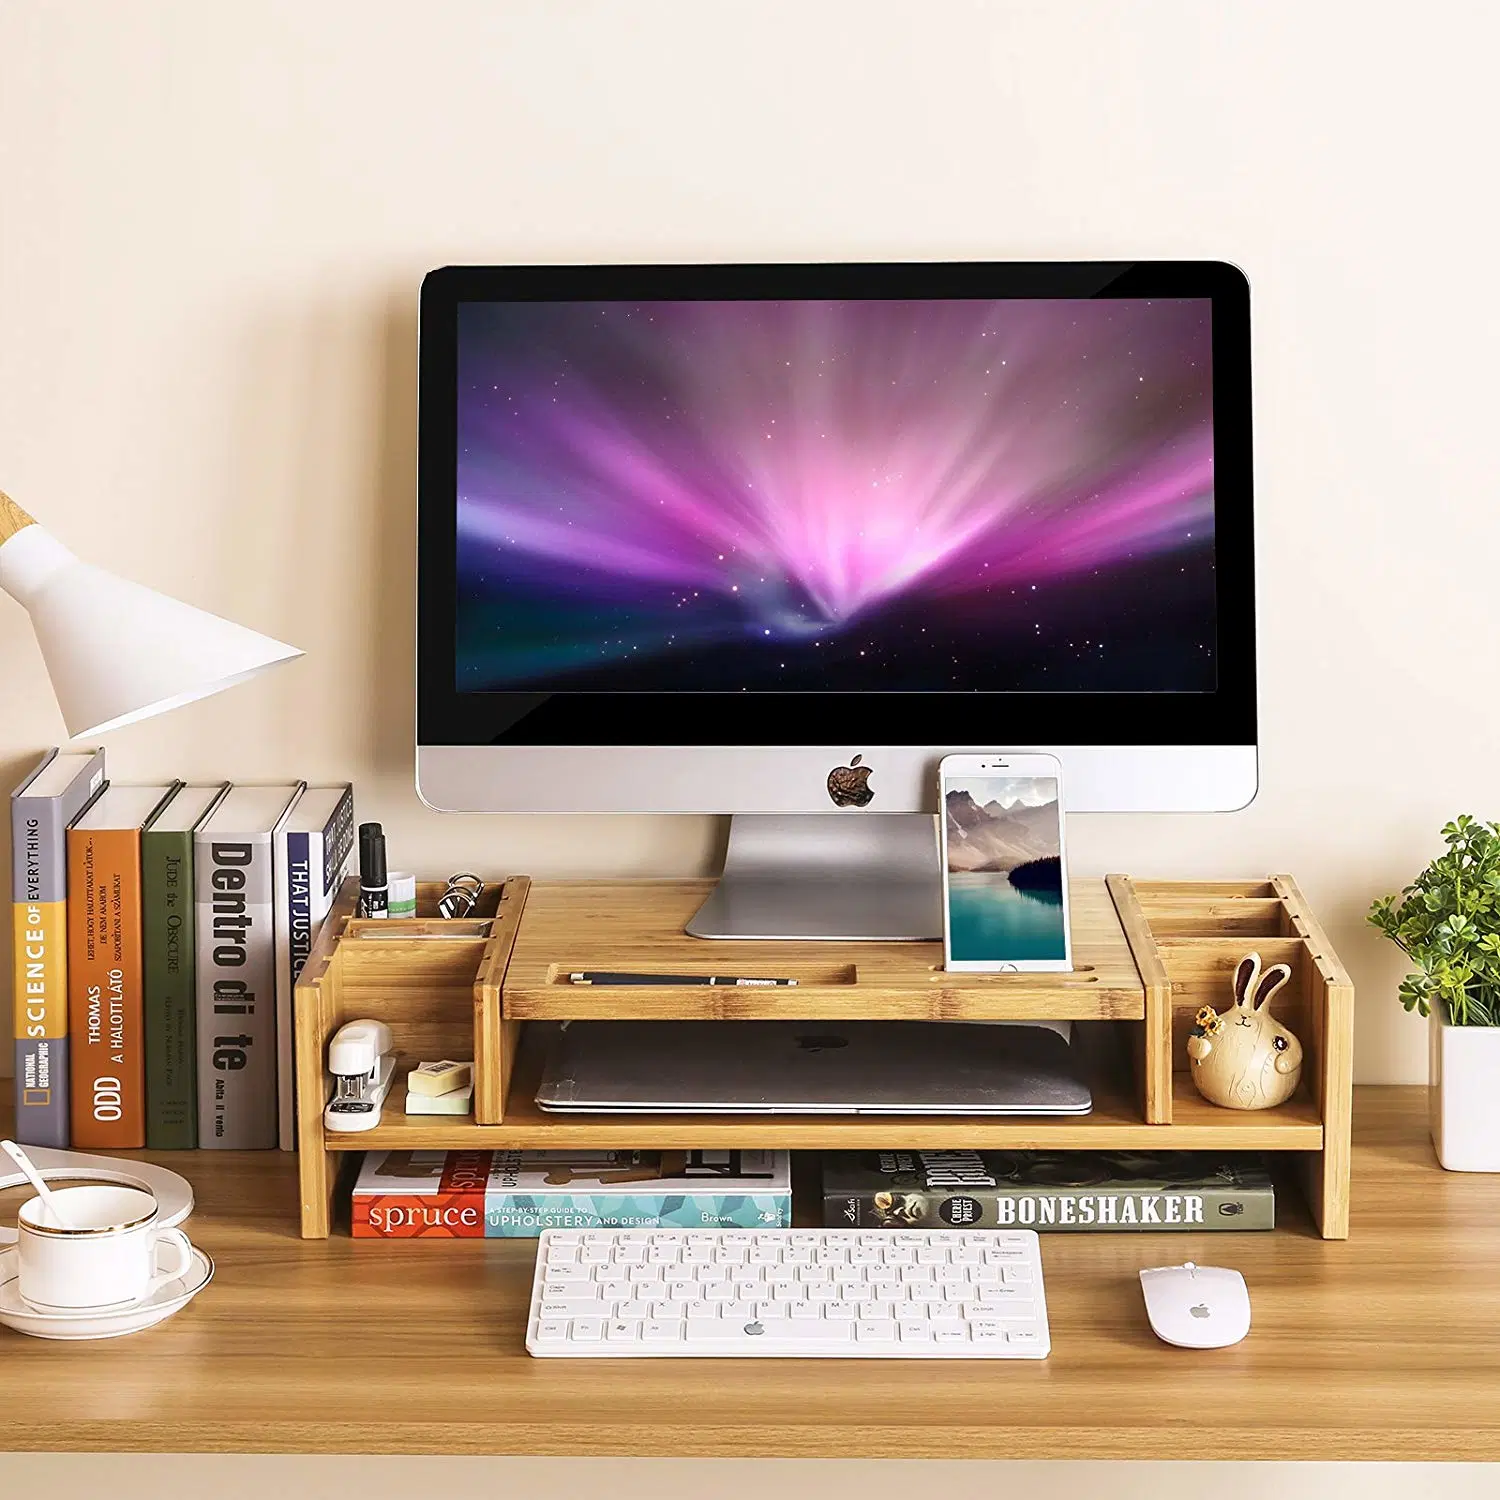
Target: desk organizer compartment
pixel 1201 930
pixel 1149 954
pixel 425 978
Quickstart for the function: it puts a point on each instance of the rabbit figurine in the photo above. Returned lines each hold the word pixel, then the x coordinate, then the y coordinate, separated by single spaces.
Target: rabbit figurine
pixel 1245 1058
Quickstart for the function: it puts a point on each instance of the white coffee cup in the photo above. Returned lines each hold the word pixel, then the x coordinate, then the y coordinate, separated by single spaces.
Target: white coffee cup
pixel 104 1254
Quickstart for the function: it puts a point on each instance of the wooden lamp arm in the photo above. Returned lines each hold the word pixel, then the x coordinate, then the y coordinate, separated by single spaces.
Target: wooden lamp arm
pixel 12 518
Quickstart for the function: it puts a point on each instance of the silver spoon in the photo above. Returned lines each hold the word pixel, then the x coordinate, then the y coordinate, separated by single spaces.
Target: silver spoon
pixel 24 1162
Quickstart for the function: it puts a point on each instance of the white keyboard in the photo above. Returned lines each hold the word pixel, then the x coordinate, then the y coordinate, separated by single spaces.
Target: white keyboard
pixel 799 1293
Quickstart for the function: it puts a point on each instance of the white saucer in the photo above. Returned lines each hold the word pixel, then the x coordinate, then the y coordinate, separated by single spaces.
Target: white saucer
pixel 167 1298
pixel 173 1194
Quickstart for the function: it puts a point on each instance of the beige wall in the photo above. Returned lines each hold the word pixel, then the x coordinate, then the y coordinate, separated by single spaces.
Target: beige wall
pixel 213 220
pixel 214 217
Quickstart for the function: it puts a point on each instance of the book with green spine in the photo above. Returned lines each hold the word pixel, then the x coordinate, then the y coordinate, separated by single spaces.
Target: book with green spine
pixel 167 932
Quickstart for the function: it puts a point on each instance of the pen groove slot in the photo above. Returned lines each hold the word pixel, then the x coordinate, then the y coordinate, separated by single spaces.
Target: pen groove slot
pixel 808 976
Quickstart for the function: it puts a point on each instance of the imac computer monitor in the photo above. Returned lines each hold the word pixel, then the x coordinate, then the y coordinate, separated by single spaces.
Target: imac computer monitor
pixel 776 538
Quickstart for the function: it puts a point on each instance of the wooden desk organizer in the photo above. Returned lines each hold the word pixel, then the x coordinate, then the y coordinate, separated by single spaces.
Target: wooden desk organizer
pixel 1148 954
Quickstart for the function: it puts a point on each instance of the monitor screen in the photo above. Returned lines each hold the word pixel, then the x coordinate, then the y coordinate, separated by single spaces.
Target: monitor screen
pixel 825 495
pixel 941 505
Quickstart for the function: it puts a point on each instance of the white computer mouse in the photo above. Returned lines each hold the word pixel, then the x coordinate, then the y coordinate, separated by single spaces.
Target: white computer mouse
pixel 1197 1307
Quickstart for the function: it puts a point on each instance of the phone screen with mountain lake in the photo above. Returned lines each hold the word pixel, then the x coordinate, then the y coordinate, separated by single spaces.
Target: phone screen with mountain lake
pixel 1003 840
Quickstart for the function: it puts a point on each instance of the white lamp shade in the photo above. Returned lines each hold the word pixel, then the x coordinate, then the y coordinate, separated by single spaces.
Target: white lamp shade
pixel 116 651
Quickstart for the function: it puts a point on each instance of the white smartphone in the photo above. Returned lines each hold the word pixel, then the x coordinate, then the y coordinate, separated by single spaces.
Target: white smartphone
pixel 1005 868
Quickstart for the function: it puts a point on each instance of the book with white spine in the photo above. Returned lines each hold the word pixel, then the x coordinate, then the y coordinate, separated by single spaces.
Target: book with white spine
pixel 236 949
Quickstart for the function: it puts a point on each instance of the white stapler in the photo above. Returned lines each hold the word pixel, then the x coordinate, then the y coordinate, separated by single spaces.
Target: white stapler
pixel 362 1059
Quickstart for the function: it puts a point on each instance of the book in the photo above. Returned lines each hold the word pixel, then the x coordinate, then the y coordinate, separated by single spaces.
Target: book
pixel 235 947
pixel 168 963
pixel 41 808
pixel 310 853
pixel 518 1194
pixel 1047 1190
pixel 106 1015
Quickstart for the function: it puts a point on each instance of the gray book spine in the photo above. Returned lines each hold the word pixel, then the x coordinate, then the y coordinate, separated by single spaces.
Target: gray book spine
pixel 39 887
pixel 1188 1207
pixel 236 947
pixel 39 875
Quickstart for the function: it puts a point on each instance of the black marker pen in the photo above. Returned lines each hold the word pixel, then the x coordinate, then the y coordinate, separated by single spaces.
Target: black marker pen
pixel 373 900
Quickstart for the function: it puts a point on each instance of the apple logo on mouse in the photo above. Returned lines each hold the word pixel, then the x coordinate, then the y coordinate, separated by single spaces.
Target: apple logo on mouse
pixel 849 786
pixel 1200 1310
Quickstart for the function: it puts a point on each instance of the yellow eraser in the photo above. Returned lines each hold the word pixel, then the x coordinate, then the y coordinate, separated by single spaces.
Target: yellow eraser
pixel 432 1079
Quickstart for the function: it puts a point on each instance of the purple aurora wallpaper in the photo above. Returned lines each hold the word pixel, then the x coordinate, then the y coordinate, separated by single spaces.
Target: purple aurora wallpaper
pixel 916 496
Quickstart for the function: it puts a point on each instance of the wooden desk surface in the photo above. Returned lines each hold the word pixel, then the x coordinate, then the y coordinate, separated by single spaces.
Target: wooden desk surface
pixel 1386 1346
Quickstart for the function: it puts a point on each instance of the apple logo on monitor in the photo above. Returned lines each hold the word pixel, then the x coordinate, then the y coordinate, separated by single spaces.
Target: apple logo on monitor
pixel 849 786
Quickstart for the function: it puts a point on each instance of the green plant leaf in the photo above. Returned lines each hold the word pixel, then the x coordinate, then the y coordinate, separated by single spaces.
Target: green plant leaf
pixel 1447 922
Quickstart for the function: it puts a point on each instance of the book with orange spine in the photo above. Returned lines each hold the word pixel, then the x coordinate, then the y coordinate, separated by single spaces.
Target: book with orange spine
pixel 106 1022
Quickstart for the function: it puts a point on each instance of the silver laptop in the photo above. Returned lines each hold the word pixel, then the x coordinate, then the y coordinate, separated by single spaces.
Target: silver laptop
pixel 811 1067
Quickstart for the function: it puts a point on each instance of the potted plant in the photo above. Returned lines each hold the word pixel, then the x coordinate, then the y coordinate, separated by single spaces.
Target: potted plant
pixel 1447 922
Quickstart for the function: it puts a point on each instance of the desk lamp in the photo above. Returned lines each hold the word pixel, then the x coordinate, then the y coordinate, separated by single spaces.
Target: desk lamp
pixel 116 651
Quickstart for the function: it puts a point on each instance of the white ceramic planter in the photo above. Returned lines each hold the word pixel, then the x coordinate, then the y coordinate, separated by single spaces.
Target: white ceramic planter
pixel 1464 1071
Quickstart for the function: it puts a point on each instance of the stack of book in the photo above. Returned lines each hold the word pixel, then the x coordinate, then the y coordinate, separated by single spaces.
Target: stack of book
pixel 518 1194
pixel 158 933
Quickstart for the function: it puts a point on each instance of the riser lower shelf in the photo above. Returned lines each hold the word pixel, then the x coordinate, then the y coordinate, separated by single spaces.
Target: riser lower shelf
pixel 1114 1124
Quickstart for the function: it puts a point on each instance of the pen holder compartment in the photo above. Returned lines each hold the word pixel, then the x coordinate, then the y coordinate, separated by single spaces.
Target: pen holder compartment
pixel 428 916
pixel 434 981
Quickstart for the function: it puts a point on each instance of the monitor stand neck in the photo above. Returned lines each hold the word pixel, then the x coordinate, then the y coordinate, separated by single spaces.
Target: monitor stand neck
pixel 830 877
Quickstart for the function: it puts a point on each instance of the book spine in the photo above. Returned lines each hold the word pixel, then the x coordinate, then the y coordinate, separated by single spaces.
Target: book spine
pixel 294 938
pixel 408 1216
pixel 236 983
pixel 40 932
pixel 525 1215
pixel 454 1210
pixel 1092 1210
pixel 105 1012
pixel 168 961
